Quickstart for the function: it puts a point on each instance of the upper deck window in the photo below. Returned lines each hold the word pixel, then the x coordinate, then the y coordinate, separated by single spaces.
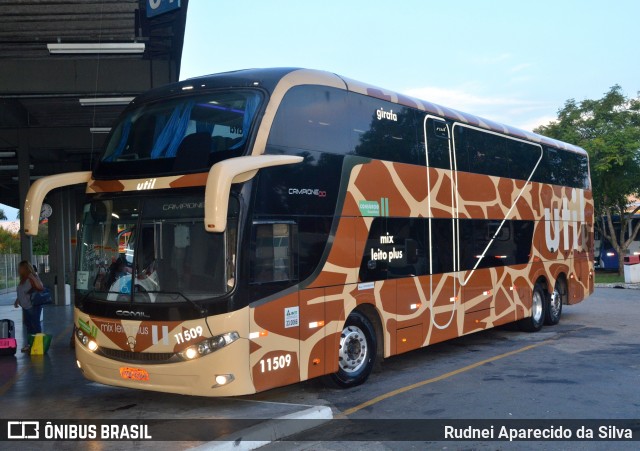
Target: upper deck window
pixel 180 135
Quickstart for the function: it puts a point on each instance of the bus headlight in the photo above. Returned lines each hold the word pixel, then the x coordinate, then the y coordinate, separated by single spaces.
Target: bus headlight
pixel 86 340
pixel 209 345
pixel 92 345
pixel 191 353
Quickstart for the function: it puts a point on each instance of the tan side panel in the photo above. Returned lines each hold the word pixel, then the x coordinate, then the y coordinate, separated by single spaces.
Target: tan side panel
pixel 409 338
pixel 341 266
pixel 279 341
pixel 312 333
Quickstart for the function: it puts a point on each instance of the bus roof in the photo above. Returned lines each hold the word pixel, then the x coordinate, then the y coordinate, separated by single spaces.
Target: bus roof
pixel 271 78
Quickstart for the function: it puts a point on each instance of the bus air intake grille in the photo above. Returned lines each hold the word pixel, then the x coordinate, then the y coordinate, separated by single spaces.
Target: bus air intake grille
pixel 139 357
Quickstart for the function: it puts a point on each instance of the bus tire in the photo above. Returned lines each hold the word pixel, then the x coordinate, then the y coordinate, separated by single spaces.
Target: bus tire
pixel 554 304
pixel 538 306
pixel 356 353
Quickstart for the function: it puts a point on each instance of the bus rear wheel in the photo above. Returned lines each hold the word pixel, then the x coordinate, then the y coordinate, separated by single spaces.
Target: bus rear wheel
pixel 554 306
pixel 356 353
pixel 538 308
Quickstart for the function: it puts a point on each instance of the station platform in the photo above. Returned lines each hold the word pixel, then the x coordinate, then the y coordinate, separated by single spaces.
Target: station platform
pixel 52 387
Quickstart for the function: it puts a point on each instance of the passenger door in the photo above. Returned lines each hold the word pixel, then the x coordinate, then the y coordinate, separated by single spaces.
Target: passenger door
pixel 442 230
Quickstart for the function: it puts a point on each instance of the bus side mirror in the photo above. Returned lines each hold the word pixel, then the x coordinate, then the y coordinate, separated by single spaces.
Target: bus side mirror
pixel 227 172
pixel 40 189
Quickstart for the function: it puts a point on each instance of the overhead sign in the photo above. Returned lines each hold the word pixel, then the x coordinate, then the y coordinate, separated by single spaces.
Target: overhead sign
pixel 157 7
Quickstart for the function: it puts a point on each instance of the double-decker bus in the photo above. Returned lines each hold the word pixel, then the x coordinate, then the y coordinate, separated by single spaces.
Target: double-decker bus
pixel 253 229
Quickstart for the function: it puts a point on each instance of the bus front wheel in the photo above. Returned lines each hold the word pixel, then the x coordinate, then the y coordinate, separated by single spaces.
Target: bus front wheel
pixel 538 311
pixel 356 353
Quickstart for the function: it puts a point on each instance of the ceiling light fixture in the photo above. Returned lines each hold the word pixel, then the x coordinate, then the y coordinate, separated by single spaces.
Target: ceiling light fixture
pixel 91 48
pixel 99 130
pixel 105 101
pixel 12 167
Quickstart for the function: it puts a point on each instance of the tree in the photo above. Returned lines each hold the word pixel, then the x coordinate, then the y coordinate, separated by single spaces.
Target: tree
pixel 40 243
pixel 9 242
pixel 3 217
pixel 609 130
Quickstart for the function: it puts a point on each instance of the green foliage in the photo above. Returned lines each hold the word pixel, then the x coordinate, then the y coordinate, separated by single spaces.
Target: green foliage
pixel 609 130
pixel 40 243
pixel 9 243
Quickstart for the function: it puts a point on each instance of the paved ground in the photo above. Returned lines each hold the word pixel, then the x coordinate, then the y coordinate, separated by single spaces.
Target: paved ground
pixel 586 367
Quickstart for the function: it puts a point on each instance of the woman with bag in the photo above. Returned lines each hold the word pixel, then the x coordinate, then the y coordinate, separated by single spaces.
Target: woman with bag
pixel 30 283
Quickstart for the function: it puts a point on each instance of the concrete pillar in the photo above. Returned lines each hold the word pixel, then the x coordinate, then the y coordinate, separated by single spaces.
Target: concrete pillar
pixel 57 245
pixel 24 183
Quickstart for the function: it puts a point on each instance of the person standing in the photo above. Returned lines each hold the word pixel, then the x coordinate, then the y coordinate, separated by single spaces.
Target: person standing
pixel 29 283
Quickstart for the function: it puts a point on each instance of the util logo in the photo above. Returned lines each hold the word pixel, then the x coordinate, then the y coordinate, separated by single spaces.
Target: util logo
pixel 147 184
pixel 561 220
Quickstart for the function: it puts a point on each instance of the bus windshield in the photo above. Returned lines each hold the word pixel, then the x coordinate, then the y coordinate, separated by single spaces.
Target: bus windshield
pixel 180 135
pixel 153 250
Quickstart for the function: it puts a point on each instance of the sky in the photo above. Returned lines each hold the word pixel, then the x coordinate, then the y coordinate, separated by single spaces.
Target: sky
pixel 511 61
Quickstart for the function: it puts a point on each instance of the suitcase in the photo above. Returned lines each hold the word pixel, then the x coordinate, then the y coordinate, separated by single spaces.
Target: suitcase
pixel 8 343
pixel 8 346
pixel 7 328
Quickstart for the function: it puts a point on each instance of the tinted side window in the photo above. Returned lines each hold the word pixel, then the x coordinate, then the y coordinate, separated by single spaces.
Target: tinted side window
pixel 480 152
pixel 442 245
pixel 273 250
pixel 312 118
pixel 486 153
pixel 564 168
pixel 438 139
pixel 399 247
pixel 384 130
pixel 575 170
pixel 522 158
pixel 396 247
pixel 313 233
pixel 511 246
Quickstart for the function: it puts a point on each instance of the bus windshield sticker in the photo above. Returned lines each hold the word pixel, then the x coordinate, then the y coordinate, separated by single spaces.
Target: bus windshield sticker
pixel 369 208
pixel 82 280
pixel 291 317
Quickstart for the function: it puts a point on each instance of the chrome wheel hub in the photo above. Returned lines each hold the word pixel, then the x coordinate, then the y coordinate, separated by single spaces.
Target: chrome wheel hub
pixel 537 306
pixel 555 303
pixel 353 349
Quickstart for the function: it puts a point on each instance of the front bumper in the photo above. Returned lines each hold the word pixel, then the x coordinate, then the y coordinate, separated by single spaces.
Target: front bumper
pixel 194 377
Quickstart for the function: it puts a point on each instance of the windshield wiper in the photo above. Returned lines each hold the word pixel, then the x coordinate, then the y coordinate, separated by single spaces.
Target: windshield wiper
pixel 195 305
pixel 85 296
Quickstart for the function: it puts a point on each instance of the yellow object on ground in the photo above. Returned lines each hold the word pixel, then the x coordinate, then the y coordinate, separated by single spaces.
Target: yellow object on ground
pixel 39 343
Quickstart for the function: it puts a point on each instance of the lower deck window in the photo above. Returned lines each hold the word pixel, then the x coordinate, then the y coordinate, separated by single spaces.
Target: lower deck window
pixel 273 253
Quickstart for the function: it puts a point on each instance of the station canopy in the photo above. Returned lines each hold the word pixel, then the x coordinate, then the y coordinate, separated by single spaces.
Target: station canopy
pixel 67 70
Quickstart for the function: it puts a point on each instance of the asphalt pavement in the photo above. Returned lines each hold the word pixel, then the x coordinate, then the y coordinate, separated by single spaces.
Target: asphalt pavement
pixel 587 367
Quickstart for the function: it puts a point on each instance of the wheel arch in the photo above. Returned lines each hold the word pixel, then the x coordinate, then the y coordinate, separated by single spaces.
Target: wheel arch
pixel 372 314
pixel 562 277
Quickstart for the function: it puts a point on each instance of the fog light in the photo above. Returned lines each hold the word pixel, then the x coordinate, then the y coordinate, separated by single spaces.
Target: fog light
pixel 79 364
pixel 191 353
pixel 223 379
pixel 92 345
